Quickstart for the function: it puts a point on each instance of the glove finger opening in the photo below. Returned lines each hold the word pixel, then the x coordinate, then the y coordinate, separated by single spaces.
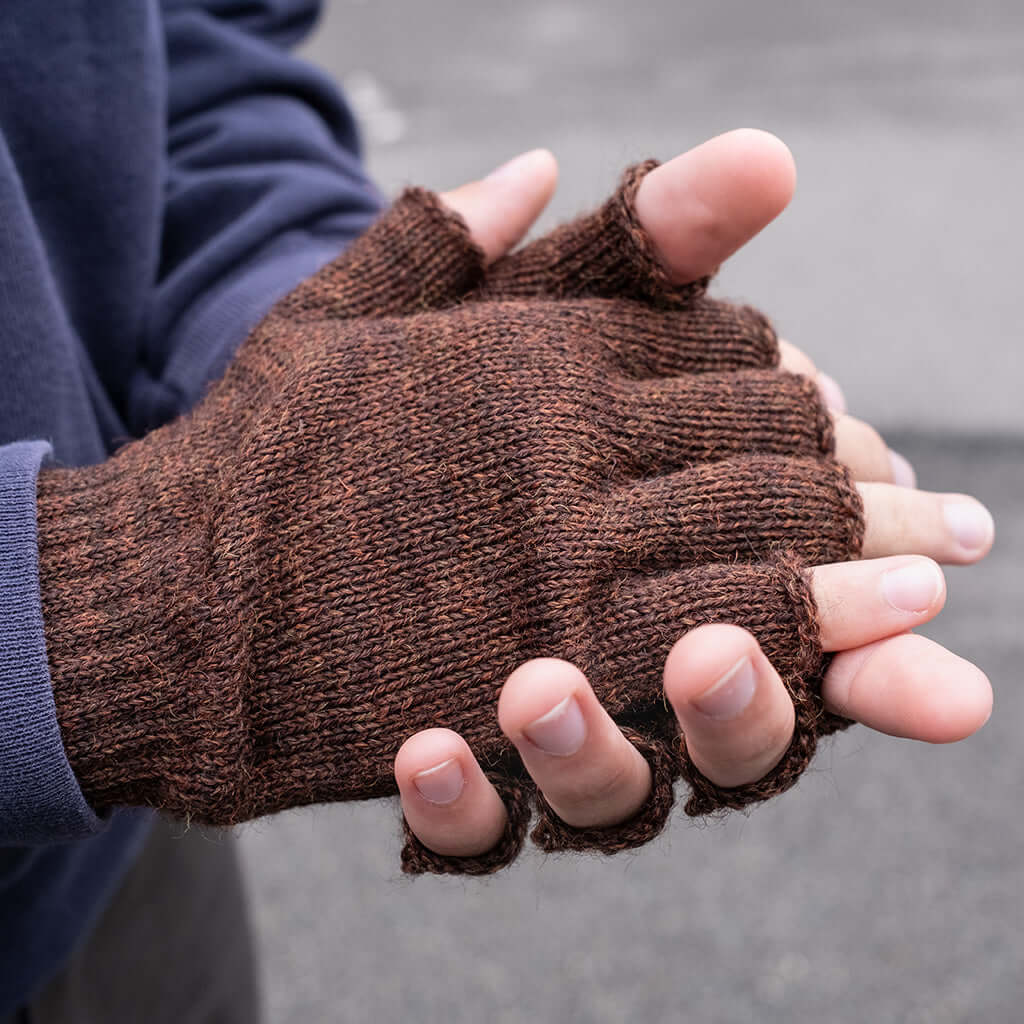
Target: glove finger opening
pixel 603 254
pixel 552 834
pixel 418 859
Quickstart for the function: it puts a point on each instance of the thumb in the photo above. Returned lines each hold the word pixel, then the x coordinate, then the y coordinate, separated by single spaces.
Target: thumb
pixel 702 206
pixel 499 209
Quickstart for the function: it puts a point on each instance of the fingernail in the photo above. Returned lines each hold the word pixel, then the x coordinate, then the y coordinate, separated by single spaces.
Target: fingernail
pixel 513 168
pixel 831 392
pixel 914 587
pixel 561 731
pixel 731 695
pixel 441 784
pixel 902 471
pixel 970 523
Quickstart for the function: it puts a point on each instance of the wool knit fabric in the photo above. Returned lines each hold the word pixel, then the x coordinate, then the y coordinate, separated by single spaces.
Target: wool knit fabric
pixel 414 477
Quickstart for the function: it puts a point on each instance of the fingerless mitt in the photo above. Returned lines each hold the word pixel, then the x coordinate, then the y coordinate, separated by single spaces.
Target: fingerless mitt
pixel 402 490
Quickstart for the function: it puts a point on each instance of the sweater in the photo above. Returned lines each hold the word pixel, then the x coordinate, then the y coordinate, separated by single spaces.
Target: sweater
pixel 167 172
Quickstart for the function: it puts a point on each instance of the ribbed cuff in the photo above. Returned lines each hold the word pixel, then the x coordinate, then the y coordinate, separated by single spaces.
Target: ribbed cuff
pixel 40 799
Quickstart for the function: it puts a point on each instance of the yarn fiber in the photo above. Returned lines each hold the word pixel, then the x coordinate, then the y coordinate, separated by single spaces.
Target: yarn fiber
pixel 414 476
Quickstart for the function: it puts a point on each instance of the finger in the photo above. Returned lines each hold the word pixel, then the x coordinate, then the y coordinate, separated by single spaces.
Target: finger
pixel 794 360
pixel 448 803
pixel 860 602
pixel 832 393
pixel 911 687
pixel 692 213
pixel 903 474
pixel 589 773
pixel 952 528
pixel 733 708
pixel 699 208
pixel 499 209
pixel 860 447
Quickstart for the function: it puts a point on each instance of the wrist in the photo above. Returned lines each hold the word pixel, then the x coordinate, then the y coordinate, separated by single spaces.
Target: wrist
pixel 142 661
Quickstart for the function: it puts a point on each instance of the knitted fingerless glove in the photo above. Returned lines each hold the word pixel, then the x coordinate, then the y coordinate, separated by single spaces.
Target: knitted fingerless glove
pixel 370 521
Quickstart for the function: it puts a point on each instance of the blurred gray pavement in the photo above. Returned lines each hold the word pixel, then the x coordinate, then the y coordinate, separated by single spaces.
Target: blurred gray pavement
pixel 898 264
pixel 889 886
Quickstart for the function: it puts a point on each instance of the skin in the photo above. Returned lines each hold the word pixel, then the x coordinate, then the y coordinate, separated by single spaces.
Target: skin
pixel 698 209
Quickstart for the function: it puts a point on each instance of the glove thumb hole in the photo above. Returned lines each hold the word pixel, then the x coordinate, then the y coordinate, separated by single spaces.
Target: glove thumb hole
pixel 702 206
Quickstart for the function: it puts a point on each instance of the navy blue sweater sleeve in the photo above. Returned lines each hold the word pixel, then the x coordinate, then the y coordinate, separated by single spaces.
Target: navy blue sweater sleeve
pixel 264 186
pixel 39 797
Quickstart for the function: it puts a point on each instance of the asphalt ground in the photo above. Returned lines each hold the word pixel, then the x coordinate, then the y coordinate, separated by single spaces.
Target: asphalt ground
pixel 888 886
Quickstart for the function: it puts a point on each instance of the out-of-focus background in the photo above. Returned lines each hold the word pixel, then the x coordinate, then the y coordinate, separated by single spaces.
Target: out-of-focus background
pixel 889 886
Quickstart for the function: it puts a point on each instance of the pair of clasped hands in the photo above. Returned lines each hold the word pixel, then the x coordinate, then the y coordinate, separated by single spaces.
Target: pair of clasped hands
pixel 732 706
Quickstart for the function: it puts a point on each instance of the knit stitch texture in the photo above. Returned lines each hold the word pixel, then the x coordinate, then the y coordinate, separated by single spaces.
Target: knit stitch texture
pixel 415 476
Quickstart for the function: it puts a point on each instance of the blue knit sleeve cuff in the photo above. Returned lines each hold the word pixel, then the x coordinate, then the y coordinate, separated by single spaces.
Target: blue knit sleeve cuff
pixel 40 800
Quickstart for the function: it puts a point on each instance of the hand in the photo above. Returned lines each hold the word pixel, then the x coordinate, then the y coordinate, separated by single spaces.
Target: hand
pixel 730 702
pixel 397 488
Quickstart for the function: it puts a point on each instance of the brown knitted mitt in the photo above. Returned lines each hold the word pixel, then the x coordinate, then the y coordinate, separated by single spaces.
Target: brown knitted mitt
pixel 370 521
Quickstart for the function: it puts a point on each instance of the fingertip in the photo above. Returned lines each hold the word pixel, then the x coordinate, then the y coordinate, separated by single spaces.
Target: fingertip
pixel 959 708
pixel 533 689
pixel 448 802
pixel 762 158
pixel 499 209
pixel 832 393
pixel 909 686
pixel 537 165
pixel 986 699
pixel 427 750
pixel 902 472
pixel 971 526
pixel 793 360
pixel 702 657
pixel 983 701
pixel 703 205
pixel 587 770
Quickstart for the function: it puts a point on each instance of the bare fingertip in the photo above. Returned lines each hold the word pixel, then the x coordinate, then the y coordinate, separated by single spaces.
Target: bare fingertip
pixel 561 731
pixel 970 524
pixel 974 707
pixel 704 655
pixel 530 164
pixel 832 393
pixel 903 474
pixel 426 750
pixel 915 586
pixel 441 784
pixel 702 206
pixel 730 695
pixel 534 688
